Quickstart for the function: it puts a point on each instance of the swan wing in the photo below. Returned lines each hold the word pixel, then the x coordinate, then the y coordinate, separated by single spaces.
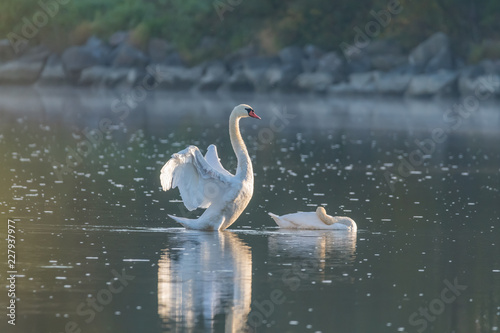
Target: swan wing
pixel 199 183
pixel 213 159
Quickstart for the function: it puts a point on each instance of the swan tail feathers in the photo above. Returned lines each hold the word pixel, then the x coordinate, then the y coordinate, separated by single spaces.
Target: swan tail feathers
pixel 190 223
pixel 275 217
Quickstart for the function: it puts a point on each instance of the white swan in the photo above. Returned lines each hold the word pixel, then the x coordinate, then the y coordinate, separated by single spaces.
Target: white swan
pixel 314 220
pixel 203 182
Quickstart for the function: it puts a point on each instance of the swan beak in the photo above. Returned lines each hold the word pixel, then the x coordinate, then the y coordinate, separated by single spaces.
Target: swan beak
pixel 253 114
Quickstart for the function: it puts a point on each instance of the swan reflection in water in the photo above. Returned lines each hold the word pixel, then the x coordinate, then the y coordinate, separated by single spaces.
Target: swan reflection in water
pixel 205 283
pixel 312 251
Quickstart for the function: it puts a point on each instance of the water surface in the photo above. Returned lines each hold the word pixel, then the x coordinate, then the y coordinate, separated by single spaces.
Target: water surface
pixel 95 250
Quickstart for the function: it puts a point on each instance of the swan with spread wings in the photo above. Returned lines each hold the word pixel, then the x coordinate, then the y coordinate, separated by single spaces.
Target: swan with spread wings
pixel 204 183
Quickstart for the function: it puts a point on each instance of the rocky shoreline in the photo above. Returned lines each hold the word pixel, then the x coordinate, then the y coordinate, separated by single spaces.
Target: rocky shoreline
pixel 380 67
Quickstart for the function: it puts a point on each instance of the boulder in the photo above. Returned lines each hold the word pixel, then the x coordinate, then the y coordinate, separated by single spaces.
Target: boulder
pixel 116 76
pixel 77 58
pixel 359 65
pixel 291 59
pixel 382 47
pixel 359 83
pixel 238 81
pixel 6 50
pixel 215 75
pixel 287 75
pixel 176 77
pixel 312 55
pixel 291 55
pixel 158 50
pixel 118 38
pixel 387 62
pixel 126 55
pixel 260 70
pixel 235 59
pixel 432 54
pixel 314 81
pixel 442 60
pixel 440 83
pixel 332 64
pixel 26 69
pixel 93 75
pixel 53 72
pixel 392 83
pixel 362 80
pixel 174 59
pixel 98 49
pixel 490 66
pixel 475 81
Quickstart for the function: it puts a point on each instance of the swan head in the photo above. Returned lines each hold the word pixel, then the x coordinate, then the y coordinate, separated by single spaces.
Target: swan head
pixel 244 110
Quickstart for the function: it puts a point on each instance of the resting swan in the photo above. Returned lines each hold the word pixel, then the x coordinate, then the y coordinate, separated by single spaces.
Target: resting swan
pixel 316 220
pixel 203 182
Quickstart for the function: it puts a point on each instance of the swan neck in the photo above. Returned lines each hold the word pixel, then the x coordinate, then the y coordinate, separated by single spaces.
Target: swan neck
pixel 326 219
pixel 244 165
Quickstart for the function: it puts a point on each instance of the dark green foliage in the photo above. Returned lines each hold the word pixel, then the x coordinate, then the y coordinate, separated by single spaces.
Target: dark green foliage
pixel 270 23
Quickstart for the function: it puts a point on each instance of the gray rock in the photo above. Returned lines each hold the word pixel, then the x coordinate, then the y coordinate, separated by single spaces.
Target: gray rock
pixel 382 47
pixel 291 55
pixel 391 83
pixel 359 65
pixel 235 59
pixel 490 66
pixel 359 83
pixel 128 56
pixel 272 78
pixel 262 72
pixel 119 76
pixel 238 81
pixel 432 54
pixel 176 77
pixel 333 64
pixel 93 75
pixel 98 49
pixel 208 44
pixel 17 72
pixel 118 38
pixel 174 59
pixel 6 51
pixel 53 72
pixel 314 81
pixel 387 62
pixel 26 69
pixel 289 73
pixel 158 50
pixel 77 58
pixel 312 51
pixel 215 75
pixel 472 84
pixel 312 56
pixel 439 83
pixel 442 60
pixel 291 58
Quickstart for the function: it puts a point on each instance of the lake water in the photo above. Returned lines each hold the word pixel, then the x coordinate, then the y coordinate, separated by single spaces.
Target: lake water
pixel 96 252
